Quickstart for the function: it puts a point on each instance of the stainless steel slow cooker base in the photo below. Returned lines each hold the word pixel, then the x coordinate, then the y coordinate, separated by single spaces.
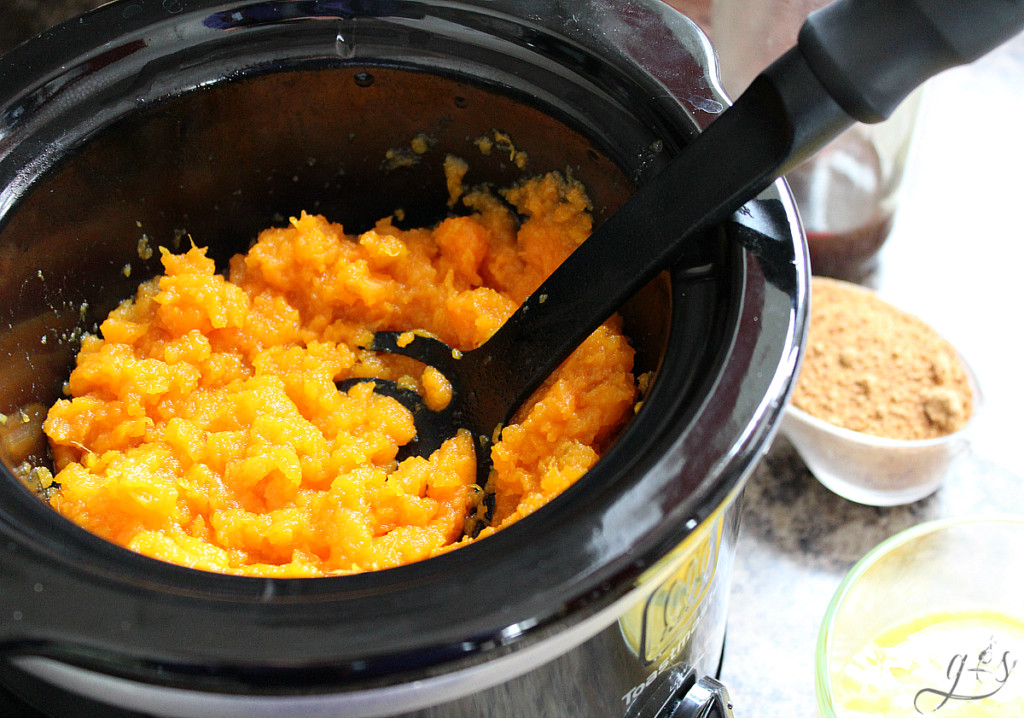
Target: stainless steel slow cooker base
pixel 218 119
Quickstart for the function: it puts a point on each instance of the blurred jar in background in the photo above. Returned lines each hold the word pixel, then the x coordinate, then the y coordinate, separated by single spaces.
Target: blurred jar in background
pixel 697 10
pixel 848 193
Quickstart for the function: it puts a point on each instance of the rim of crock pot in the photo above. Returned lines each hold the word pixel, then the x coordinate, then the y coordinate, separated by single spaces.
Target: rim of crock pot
pixel 514 591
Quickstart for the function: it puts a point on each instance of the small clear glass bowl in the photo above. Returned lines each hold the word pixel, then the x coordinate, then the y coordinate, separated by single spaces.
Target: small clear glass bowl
pixel 929 622
pixel 874 470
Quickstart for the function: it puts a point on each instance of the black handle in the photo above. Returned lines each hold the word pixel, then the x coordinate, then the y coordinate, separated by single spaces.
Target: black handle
pixel 678 693
pixel 870 54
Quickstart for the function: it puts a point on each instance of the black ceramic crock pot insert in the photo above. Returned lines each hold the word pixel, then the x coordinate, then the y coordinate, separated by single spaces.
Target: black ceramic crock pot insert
pixel 136 125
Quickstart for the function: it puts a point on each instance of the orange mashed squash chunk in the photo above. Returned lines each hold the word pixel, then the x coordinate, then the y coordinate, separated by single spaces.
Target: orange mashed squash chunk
pixel 204 426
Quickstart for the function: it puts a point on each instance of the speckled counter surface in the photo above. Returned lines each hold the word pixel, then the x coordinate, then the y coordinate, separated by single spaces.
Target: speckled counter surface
pixel 955 258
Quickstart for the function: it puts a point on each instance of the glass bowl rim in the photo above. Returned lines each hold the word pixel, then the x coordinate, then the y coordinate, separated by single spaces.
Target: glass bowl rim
pixel 822 683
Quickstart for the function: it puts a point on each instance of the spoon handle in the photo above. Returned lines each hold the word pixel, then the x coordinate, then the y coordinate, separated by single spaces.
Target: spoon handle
pixel 660 226
pixel 856 60
pixel 870 54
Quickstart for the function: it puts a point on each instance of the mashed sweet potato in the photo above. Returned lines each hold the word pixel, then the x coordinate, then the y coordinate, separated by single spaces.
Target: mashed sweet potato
pixel 204 426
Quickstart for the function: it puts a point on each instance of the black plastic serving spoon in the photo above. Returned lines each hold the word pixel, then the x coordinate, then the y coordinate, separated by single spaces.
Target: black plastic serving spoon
pixel 855 60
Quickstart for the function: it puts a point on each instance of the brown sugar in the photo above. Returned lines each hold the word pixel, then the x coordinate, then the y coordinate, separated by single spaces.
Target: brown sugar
pixel 872 368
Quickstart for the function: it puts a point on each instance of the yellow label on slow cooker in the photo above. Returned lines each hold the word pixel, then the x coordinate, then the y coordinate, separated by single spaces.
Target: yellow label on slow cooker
pixel 665 618
pixel 966 664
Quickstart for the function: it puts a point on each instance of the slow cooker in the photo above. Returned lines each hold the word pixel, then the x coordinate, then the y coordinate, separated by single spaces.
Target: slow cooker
pixel 150 121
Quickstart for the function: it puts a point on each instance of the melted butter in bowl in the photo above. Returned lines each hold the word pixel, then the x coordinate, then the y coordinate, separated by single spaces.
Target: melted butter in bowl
pixel 961 664
pixel 930 622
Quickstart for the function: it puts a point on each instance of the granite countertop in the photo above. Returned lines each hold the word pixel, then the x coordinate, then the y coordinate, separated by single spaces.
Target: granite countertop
pixel 954 258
